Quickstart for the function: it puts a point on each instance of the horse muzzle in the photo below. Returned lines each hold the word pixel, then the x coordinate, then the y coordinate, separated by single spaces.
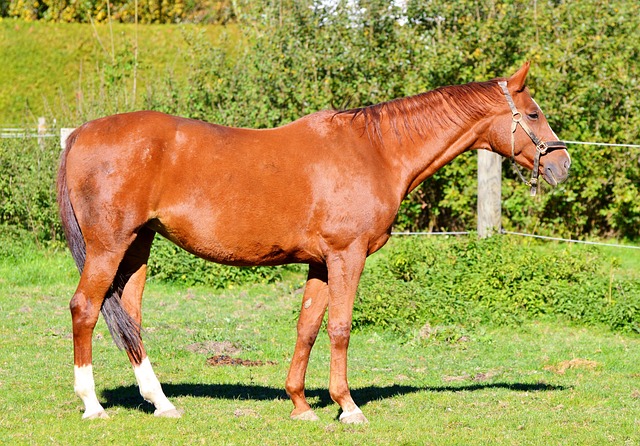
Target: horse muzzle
pixel 555 165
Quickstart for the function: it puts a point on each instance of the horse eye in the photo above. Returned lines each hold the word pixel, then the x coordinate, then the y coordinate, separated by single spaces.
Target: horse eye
pixel 533 115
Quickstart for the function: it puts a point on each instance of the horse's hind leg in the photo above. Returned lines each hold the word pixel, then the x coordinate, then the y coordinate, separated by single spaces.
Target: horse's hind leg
pixel 134 269
pixel 96 279
pixel 314 306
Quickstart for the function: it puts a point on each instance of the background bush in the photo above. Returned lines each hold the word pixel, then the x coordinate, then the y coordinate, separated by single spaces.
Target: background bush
pixel 283 59
pixel 288 58
pixel 464 282
pixel 27 188
pixel 169 263
pixel 298 58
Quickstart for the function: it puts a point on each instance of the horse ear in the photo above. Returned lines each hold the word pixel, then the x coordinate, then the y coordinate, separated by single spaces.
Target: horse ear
pixel 518 80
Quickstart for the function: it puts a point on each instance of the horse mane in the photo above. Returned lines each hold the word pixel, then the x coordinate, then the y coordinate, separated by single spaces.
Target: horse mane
pixel 417 115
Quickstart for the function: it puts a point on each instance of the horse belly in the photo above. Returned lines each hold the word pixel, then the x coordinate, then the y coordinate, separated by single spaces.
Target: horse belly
pixel 236 244
pixel 239 226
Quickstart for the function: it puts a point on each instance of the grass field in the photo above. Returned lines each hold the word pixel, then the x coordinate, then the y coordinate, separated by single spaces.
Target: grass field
pixel 540 383
pixel 46 66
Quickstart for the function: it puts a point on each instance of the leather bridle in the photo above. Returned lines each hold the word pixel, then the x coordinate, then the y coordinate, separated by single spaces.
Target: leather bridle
pixel 542 147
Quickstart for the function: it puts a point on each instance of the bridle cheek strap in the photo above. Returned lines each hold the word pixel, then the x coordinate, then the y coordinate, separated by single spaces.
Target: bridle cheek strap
pixel 541 146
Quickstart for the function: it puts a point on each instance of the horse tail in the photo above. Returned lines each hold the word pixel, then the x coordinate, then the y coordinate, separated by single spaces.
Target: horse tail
pixel 124 330
pixel 72 231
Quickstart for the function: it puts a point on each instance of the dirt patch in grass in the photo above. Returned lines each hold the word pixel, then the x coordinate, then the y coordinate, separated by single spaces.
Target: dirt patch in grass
pixel 228 360
pixel 245 413
pixel 478 377
pixel 575 363
pixel 214 348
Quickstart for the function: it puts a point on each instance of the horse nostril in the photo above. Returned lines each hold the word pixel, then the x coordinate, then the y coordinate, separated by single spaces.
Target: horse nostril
pixel 567 164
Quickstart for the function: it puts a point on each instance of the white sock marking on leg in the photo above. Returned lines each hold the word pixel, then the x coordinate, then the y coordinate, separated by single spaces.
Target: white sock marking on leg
pixel 85 388
pixel 150 388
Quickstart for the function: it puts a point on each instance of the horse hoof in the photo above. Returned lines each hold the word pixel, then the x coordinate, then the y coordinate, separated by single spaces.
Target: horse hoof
pixel 171 413
pixel 95 416
pixel 308 415
pixel 353 418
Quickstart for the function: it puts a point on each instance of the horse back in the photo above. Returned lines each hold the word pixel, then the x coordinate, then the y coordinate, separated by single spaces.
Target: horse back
pixel 232 195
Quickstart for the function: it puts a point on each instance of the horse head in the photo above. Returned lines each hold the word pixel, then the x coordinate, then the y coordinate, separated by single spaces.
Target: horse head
pixel 523 134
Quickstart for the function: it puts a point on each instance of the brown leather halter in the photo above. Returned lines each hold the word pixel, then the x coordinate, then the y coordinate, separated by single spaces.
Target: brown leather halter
pixel 541 146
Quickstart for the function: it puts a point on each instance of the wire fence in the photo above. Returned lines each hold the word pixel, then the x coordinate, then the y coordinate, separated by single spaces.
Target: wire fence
pixel 608 144
pixel 519 234
pixel 558 239
pixel 20 133
pixel 542 237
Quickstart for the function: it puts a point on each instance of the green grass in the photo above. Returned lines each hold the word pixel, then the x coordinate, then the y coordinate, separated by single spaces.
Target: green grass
pixel 45 66
pixel 495 386
pixel 629 260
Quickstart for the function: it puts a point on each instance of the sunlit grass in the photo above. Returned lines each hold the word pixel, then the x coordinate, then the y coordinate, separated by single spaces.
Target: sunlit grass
pixel 47 68
pixel 540 383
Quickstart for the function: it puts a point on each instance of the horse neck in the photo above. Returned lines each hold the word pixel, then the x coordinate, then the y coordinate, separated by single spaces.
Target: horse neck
pixel 424 158
pixel 420 144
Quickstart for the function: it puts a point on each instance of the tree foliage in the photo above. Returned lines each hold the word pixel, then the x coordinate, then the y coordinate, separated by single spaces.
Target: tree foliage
pixel 296 57
pixel 301 56
pixel 148 11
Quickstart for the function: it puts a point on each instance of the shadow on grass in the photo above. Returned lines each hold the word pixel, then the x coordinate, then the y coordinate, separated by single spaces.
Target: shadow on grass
pixel 128 396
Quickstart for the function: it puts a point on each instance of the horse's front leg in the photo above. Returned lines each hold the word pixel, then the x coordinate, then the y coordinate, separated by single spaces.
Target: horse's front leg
pixel 314 305
pixel 344 270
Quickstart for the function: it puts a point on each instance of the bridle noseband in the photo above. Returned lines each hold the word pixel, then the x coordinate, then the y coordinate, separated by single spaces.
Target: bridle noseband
pixel 541 146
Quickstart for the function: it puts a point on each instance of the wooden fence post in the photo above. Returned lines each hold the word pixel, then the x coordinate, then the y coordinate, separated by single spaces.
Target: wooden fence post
pixel 64 134
pixel 42 130
pixel 489 193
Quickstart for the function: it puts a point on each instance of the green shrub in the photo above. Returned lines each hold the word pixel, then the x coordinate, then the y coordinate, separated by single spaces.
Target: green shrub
pixel 468 281
pixel 289 58
pixel 293 59
pixel 169 263
pixel 27 187
pixel 14 242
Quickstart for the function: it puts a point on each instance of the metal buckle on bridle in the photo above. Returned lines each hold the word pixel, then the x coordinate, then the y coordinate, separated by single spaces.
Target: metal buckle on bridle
pixel 541 146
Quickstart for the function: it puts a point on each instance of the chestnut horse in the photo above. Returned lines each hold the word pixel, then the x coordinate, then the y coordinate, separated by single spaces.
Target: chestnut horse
pixel 323 190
